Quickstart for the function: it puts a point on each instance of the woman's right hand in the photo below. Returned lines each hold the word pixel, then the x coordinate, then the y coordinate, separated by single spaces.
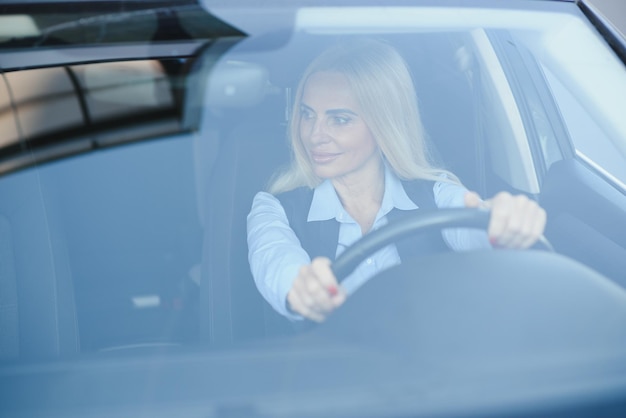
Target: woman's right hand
pixel 315 293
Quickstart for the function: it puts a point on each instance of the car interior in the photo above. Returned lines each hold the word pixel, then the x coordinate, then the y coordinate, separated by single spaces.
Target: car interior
pixel 460 102
pixel 170 268
pixel 258 145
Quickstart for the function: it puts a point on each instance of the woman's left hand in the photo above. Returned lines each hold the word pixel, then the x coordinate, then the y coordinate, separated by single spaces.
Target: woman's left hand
pixel 516 221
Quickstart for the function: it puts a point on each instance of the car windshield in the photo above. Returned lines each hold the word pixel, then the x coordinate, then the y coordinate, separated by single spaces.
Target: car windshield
pixel 134 138
pixel 67 24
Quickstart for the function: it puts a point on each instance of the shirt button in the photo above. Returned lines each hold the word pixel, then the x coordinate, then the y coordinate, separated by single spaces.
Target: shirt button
pixel 369 261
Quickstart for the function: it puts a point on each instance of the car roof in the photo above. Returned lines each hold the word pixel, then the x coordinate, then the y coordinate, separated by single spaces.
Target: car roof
pixel 263 3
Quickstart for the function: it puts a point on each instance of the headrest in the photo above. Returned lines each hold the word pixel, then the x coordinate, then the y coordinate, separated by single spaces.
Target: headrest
pixel 235 84
pixel 217 83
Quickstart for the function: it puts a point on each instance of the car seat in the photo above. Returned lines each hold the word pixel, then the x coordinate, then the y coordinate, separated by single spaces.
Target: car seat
pixel 240 138
pixel 37 307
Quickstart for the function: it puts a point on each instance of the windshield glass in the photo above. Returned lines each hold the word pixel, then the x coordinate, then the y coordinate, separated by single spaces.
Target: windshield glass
pixel 136 220
pixel 134 142
pixel 102 23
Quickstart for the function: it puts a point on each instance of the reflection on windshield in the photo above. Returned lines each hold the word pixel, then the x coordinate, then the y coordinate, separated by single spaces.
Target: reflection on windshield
pixel 137 22
pixel 149 232
pixel 58 105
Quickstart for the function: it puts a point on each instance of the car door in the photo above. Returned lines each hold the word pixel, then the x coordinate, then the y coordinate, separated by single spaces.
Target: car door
pixel 567 105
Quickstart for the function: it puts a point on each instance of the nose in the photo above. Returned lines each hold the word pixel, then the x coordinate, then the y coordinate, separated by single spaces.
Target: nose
pixel 317 131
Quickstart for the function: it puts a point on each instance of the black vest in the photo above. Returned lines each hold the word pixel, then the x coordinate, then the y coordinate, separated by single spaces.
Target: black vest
pixel 320 238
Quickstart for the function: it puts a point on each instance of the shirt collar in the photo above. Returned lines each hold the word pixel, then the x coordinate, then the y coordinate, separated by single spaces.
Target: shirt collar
pixel 395 196
pixel 326 204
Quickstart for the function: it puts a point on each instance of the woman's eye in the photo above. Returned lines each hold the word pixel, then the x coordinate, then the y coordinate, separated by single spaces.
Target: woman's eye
pixel 340 120
pixel 306 114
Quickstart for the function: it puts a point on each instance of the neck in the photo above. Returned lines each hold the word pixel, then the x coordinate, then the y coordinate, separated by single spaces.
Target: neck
pixel 362 195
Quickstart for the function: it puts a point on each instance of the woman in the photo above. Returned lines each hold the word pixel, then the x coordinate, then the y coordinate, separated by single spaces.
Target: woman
pixel 359 158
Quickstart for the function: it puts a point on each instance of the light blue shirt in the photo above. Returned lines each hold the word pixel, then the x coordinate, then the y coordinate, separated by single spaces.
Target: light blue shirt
pixel 275 253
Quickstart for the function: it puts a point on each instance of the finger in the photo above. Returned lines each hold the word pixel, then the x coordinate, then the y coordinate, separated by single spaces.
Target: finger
pixel 472 200
pixel 336 293
pixel 310 295
pixel 313 315
pixel 536 228
pixel 534 224
pixel 525 223
pixel 498 220
pixel 321 269
pixel 520 222
pixel 339 298
pixel 311 291
pixel 297 305
pixel 317 297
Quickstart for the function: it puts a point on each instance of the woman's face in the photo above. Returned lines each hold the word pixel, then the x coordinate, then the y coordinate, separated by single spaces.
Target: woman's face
pixel 337 140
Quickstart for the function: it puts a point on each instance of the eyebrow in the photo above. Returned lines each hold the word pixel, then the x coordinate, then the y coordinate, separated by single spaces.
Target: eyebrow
pixel 334 111
pixel 338 111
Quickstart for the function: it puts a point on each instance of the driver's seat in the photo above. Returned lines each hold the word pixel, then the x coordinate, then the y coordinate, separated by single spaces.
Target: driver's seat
pixel 249 145
pixel 243 167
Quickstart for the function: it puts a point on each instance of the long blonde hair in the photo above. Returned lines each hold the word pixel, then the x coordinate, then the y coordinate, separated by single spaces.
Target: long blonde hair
pixel 381 82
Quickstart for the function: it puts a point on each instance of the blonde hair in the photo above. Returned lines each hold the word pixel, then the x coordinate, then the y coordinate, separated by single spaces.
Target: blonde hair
pixel 382 85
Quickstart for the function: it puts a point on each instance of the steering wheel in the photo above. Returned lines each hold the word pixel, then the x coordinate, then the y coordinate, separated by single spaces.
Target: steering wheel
pixel 412 224
pixel 472 307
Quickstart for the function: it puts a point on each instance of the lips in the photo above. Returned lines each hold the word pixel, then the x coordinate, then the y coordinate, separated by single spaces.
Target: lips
pixel 323 157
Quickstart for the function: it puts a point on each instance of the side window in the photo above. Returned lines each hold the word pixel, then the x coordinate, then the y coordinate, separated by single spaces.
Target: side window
pixel 45 101
pixel 126 87
pixel 8 121
pixel 588 138
pixel 47 106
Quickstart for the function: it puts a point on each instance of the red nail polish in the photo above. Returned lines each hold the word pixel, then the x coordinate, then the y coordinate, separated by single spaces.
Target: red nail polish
pixel 332 290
